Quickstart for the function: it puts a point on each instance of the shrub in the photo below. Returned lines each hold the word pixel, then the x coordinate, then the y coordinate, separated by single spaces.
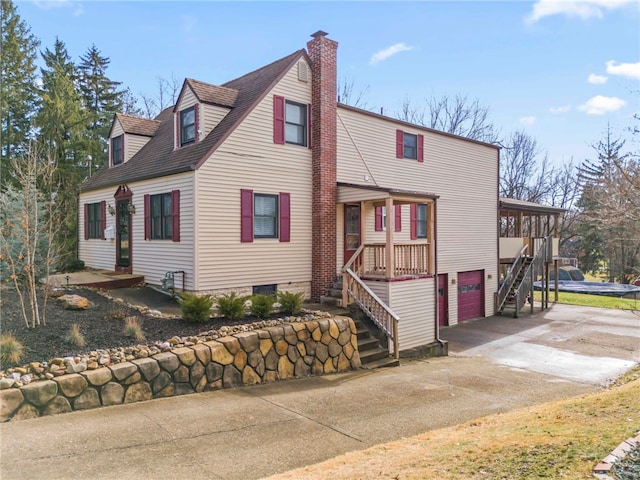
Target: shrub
pixel 262 305
pixel 72 265
pixel 195 308
pixel 11 349
pixel 133 329
pixel 75 338
pixel 290 303
pixel 231 306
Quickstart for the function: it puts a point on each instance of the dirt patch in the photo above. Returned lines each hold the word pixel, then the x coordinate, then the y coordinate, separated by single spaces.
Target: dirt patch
pixel 101 326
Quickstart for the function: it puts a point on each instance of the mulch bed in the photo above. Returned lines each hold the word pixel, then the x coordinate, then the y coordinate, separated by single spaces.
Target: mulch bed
pixel 101 326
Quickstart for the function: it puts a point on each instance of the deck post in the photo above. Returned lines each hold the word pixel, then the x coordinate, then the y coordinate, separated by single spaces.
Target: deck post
pixel 390 253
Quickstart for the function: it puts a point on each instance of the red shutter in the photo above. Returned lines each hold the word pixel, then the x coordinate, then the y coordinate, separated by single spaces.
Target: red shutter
pixel 399 144
pixel 177 129
pixel 246 215
pixel 278 119
pixel 398 219
pixel 196 114
pixel 111 152
pixel 122 147
pixel 103 218
pixel 414 222
pixel 309 125
pixel 175 215
pixel 421 148
pixel 86 221
pixel 285 217
pixel 378 219
pixel 147 217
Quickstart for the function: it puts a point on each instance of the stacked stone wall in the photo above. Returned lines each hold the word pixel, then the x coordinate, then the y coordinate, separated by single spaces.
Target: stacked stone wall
pixel 289 350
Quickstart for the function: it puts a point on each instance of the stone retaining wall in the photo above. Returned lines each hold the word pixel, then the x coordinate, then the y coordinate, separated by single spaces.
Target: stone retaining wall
pixel 285 351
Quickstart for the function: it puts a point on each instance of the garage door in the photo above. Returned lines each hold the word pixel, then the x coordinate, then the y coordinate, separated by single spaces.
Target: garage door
pixel 470 295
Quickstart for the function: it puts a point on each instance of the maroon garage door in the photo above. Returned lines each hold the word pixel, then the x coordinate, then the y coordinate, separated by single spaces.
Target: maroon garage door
pixel 470 295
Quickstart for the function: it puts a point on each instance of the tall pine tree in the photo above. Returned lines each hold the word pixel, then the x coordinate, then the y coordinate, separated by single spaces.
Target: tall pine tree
pixel 18 92
pixel 61 124
pixel 101 99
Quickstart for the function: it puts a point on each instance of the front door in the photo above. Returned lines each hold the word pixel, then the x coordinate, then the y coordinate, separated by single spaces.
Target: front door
pixel 351 230
pixel 443 300
pixel 123 236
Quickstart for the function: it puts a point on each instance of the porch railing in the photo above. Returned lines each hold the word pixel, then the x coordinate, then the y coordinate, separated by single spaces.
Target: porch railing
pixel 409 259
pixel 378 311
pixel 542 256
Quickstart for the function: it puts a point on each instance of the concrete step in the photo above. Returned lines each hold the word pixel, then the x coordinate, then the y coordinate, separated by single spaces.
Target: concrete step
pixel 382 363
pixel 325 300
pixel 366 344
pixel 370 356
pixel 335 292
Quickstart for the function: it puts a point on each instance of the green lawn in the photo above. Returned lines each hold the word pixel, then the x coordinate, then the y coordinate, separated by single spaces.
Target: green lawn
pixel 594 300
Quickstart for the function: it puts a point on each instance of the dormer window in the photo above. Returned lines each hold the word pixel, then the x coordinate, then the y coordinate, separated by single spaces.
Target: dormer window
pixel 187 126
pixel 117 144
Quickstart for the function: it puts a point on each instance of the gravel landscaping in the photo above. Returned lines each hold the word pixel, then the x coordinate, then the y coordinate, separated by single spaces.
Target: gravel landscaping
pixel 102 326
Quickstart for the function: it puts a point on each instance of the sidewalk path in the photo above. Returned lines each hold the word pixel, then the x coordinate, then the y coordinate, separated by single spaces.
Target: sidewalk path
pixel 254 432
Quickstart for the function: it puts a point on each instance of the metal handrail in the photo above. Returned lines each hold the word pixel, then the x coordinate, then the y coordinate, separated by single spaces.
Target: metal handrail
pixel 510 278
pixel 526 286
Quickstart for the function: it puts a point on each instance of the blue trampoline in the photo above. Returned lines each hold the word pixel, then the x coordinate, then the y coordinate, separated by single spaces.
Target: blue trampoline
pixel 592 288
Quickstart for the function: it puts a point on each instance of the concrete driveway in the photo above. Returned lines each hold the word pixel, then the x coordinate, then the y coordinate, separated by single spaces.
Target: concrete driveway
pixel 496 364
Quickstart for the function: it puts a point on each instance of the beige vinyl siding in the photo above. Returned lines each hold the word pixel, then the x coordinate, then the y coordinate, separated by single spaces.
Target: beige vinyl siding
pixel 381 289
pixel 414 302
pixel 133 144
pixel 187 100
pixel 117 129
pixel 248 159
pixel 464 174
pixel 95 252
pixel 211 116
pixel 153 258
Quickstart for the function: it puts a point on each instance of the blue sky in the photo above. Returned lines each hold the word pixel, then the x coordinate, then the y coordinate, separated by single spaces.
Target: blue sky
pixel 559 70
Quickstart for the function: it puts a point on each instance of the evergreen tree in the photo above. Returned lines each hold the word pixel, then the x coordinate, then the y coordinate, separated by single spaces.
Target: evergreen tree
pixel 101 99
pixel 18 92
pixel 61 126
pixel 610 215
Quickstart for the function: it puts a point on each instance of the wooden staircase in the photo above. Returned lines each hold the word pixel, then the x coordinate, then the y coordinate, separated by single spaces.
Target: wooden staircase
pixel 510 302
pixel 372 343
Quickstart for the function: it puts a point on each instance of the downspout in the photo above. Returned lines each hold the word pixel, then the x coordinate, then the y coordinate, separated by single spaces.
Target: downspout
pixel 435 267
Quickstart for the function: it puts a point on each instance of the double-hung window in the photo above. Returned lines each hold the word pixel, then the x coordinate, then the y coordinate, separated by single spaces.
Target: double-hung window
pixel 187 126
pixel 409 145
pixel 117 150
pixel 295 123
pixel 161 216
pixel 421 221
pixel 94 222
pixel 419 224
pixel 290 122
pixel 265 216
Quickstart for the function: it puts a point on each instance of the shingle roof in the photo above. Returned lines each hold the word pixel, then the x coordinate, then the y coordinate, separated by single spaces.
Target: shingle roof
pixel 137 125
pixel 213 94
pixel 158 157
pixel 521 205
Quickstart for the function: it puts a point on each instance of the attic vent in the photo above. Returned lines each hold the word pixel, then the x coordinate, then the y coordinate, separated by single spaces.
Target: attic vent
pixel 303 72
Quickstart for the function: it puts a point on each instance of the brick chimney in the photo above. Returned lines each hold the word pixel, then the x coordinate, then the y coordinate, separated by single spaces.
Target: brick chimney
pixel 322 52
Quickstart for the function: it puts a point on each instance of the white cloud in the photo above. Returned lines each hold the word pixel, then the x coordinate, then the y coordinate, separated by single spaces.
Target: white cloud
pixel 51 4
pixel 631 70
pixel 528 120
pixel 600 105
pixel 388 52
pixel 597 79
pixel 582 9
pixel 563 109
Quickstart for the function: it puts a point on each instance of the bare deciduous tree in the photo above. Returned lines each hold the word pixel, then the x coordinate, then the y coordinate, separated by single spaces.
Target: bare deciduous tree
pixel 29 223
pixel 458 115
pixel 348 95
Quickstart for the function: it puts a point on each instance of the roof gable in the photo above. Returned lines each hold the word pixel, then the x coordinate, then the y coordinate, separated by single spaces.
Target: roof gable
pixel 158 157
pixel 213 94
pixel 138 125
